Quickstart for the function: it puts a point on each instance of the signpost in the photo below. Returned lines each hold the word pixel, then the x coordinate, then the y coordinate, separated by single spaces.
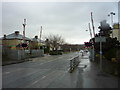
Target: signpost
pixel 100 39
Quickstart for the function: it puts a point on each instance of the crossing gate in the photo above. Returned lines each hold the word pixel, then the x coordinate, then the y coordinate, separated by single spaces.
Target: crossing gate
pixel 74 62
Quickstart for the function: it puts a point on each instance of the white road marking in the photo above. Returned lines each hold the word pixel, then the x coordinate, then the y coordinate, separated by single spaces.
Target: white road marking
pixel 43 77
pixel 41 63
pixel 34 82
pixel 38 80
pixel 7 72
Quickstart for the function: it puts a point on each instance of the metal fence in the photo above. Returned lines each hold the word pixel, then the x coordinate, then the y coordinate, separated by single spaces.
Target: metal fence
pixel 10 56
pixel 74 62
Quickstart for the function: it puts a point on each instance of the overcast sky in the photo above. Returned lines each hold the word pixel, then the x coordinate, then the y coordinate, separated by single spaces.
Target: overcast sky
pixel 68 19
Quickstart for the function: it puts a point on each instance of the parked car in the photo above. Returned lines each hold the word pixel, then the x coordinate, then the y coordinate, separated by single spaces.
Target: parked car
pixel 81 51
pixel 56 52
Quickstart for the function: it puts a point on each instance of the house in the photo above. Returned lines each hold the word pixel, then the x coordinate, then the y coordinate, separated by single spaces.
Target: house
pixel 14 40
pixel 116 31
pixel 34 43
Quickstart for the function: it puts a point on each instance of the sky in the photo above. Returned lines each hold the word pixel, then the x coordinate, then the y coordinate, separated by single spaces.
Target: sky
pixel 68 19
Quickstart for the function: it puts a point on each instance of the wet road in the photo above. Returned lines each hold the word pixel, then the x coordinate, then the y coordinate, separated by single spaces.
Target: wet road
pixel 52 72
pixel 41 72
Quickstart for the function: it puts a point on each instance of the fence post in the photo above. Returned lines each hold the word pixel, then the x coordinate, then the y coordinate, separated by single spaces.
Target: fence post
pixel 70 66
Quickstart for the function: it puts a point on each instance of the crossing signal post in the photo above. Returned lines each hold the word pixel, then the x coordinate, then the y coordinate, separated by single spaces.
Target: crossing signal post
pixel 91 46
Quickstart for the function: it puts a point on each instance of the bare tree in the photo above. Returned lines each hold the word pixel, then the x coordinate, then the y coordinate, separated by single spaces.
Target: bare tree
pixel 54 41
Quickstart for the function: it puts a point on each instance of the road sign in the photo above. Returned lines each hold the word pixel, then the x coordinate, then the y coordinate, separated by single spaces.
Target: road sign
pixel 100 39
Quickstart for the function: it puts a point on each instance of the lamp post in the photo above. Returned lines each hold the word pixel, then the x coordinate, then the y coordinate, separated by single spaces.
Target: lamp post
pixel 40 34
pixel 111 14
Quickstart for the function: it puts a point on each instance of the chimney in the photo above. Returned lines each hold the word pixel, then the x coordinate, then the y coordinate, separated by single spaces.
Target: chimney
pixel 16 32
pixel 4 36
pixel 36 37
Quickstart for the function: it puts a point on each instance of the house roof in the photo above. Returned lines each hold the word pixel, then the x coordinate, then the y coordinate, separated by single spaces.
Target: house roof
pixel 15 36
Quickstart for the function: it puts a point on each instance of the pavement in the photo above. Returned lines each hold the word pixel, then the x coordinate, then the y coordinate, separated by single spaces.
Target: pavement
pixel 90 76
pixel 53 72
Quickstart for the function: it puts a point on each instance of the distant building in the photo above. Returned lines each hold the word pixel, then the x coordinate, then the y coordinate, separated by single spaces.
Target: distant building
pixel 71 47
pixel 116 31
pixel 13 40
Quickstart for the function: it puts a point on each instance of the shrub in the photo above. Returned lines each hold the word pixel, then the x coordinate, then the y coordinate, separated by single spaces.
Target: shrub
pixel 110 54
pixel 56 52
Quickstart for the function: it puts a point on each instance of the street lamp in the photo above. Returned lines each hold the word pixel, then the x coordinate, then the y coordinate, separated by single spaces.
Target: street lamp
pixel 111 14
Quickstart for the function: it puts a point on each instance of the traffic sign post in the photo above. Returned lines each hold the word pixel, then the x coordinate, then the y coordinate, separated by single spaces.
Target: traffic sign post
pixel 100 39
pixel 100 56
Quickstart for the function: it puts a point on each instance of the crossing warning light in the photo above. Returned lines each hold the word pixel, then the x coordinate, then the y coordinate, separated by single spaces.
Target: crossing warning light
pixel 24 45
pixel 88 44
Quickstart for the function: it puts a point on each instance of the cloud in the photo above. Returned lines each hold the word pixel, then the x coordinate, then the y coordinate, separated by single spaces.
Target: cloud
pixel 70 19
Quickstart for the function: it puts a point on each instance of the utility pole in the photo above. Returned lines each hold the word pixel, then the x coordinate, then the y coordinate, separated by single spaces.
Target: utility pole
pixel 92 24
pixel 40 34
pixel 24 24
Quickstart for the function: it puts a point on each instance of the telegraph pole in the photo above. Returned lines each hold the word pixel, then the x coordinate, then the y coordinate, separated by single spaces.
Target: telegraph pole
pixel 24 24
pixel 93 34
pixel 92 24
pixel 90 30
